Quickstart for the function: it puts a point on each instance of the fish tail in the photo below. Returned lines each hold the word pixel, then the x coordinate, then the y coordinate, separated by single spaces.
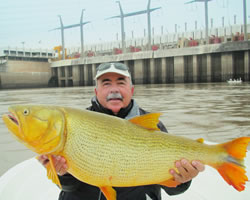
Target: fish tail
pixel 232 170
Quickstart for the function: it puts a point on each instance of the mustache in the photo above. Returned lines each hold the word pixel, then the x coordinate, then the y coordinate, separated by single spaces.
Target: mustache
pixel 116 95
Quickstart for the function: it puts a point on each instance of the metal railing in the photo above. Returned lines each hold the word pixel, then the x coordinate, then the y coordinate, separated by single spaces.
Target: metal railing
pixel 164 41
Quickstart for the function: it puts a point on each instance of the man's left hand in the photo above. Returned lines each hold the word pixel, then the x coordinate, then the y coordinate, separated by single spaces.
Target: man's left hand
pixel 186 170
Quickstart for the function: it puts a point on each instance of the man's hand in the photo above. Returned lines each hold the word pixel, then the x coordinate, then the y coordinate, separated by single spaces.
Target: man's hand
pixel 187 170
pixel 59 163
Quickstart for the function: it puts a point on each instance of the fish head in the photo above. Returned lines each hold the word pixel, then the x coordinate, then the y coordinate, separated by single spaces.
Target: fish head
pixel 40 128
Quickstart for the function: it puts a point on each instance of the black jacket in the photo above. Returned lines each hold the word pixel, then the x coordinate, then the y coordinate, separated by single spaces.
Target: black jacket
pixel 73 189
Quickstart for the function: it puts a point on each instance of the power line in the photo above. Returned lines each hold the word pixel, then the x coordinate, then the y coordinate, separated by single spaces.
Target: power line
pixel 206 16
pixel 62 28
pixel 122 16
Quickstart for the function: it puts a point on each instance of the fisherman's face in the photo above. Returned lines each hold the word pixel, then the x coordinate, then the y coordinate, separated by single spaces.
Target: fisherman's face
pixel 114 91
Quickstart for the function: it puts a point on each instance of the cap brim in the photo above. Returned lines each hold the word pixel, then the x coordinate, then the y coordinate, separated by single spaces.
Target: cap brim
pixel 121 72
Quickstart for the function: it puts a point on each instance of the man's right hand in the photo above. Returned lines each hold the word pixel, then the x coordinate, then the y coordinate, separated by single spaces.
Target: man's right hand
pixel 59 163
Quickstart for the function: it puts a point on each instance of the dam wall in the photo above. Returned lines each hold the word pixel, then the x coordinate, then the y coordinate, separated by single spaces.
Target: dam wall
pixel 16 74
pixel 206 63
pixel 198 64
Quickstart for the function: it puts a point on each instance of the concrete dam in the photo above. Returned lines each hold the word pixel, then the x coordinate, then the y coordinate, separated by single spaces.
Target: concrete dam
pixel 206 63
pixel 24 69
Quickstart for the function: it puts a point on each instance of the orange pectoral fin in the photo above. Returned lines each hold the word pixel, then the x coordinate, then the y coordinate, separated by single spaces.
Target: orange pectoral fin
pixel 51 172
pixel 108 192
pixel 170 183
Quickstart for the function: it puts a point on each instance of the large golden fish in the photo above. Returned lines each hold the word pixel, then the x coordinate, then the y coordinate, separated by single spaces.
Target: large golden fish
pixel 107 151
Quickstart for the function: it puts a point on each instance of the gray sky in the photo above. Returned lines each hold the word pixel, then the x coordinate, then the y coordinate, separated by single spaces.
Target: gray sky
pixel 29 21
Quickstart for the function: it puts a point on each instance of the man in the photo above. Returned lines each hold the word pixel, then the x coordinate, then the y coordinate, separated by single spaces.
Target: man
pixel 113 96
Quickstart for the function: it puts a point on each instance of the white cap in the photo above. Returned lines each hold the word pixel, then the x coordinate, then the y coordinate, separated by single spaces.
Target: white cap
pixel 118 68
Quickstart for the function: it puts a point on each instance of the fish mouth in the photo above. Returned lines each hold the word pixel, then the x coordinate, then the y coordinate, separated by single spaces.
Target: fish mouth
pixel 13 118
pixel 12 122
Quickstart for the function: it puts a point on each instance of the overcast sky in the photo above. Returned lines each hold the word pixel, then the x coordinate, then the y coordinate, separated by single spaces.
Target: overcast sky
pixel 27 22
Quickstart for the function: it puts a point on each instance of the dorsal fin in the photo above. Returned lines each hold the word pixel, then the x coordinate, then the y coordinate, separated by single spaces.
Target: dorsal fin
pixel 200 140
pixel 148 121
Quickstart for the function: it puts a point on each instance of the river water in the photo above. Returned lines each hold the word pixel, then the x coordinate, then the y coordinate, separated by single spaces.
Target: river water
pixel 217 112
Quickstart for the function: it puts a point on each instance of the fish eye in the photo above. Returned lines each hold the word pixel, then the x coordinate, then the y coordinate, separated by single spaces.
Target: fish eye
pixel 26 112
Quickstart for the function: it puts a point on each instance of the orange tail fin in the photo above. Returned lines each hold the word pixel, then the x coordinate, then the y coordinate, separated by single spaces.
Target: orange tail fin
pixel 233 170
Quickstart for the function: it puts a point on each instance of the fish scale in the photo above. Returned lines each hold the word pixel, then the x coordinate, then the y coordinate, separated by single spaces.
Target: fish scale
pixel 116 145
